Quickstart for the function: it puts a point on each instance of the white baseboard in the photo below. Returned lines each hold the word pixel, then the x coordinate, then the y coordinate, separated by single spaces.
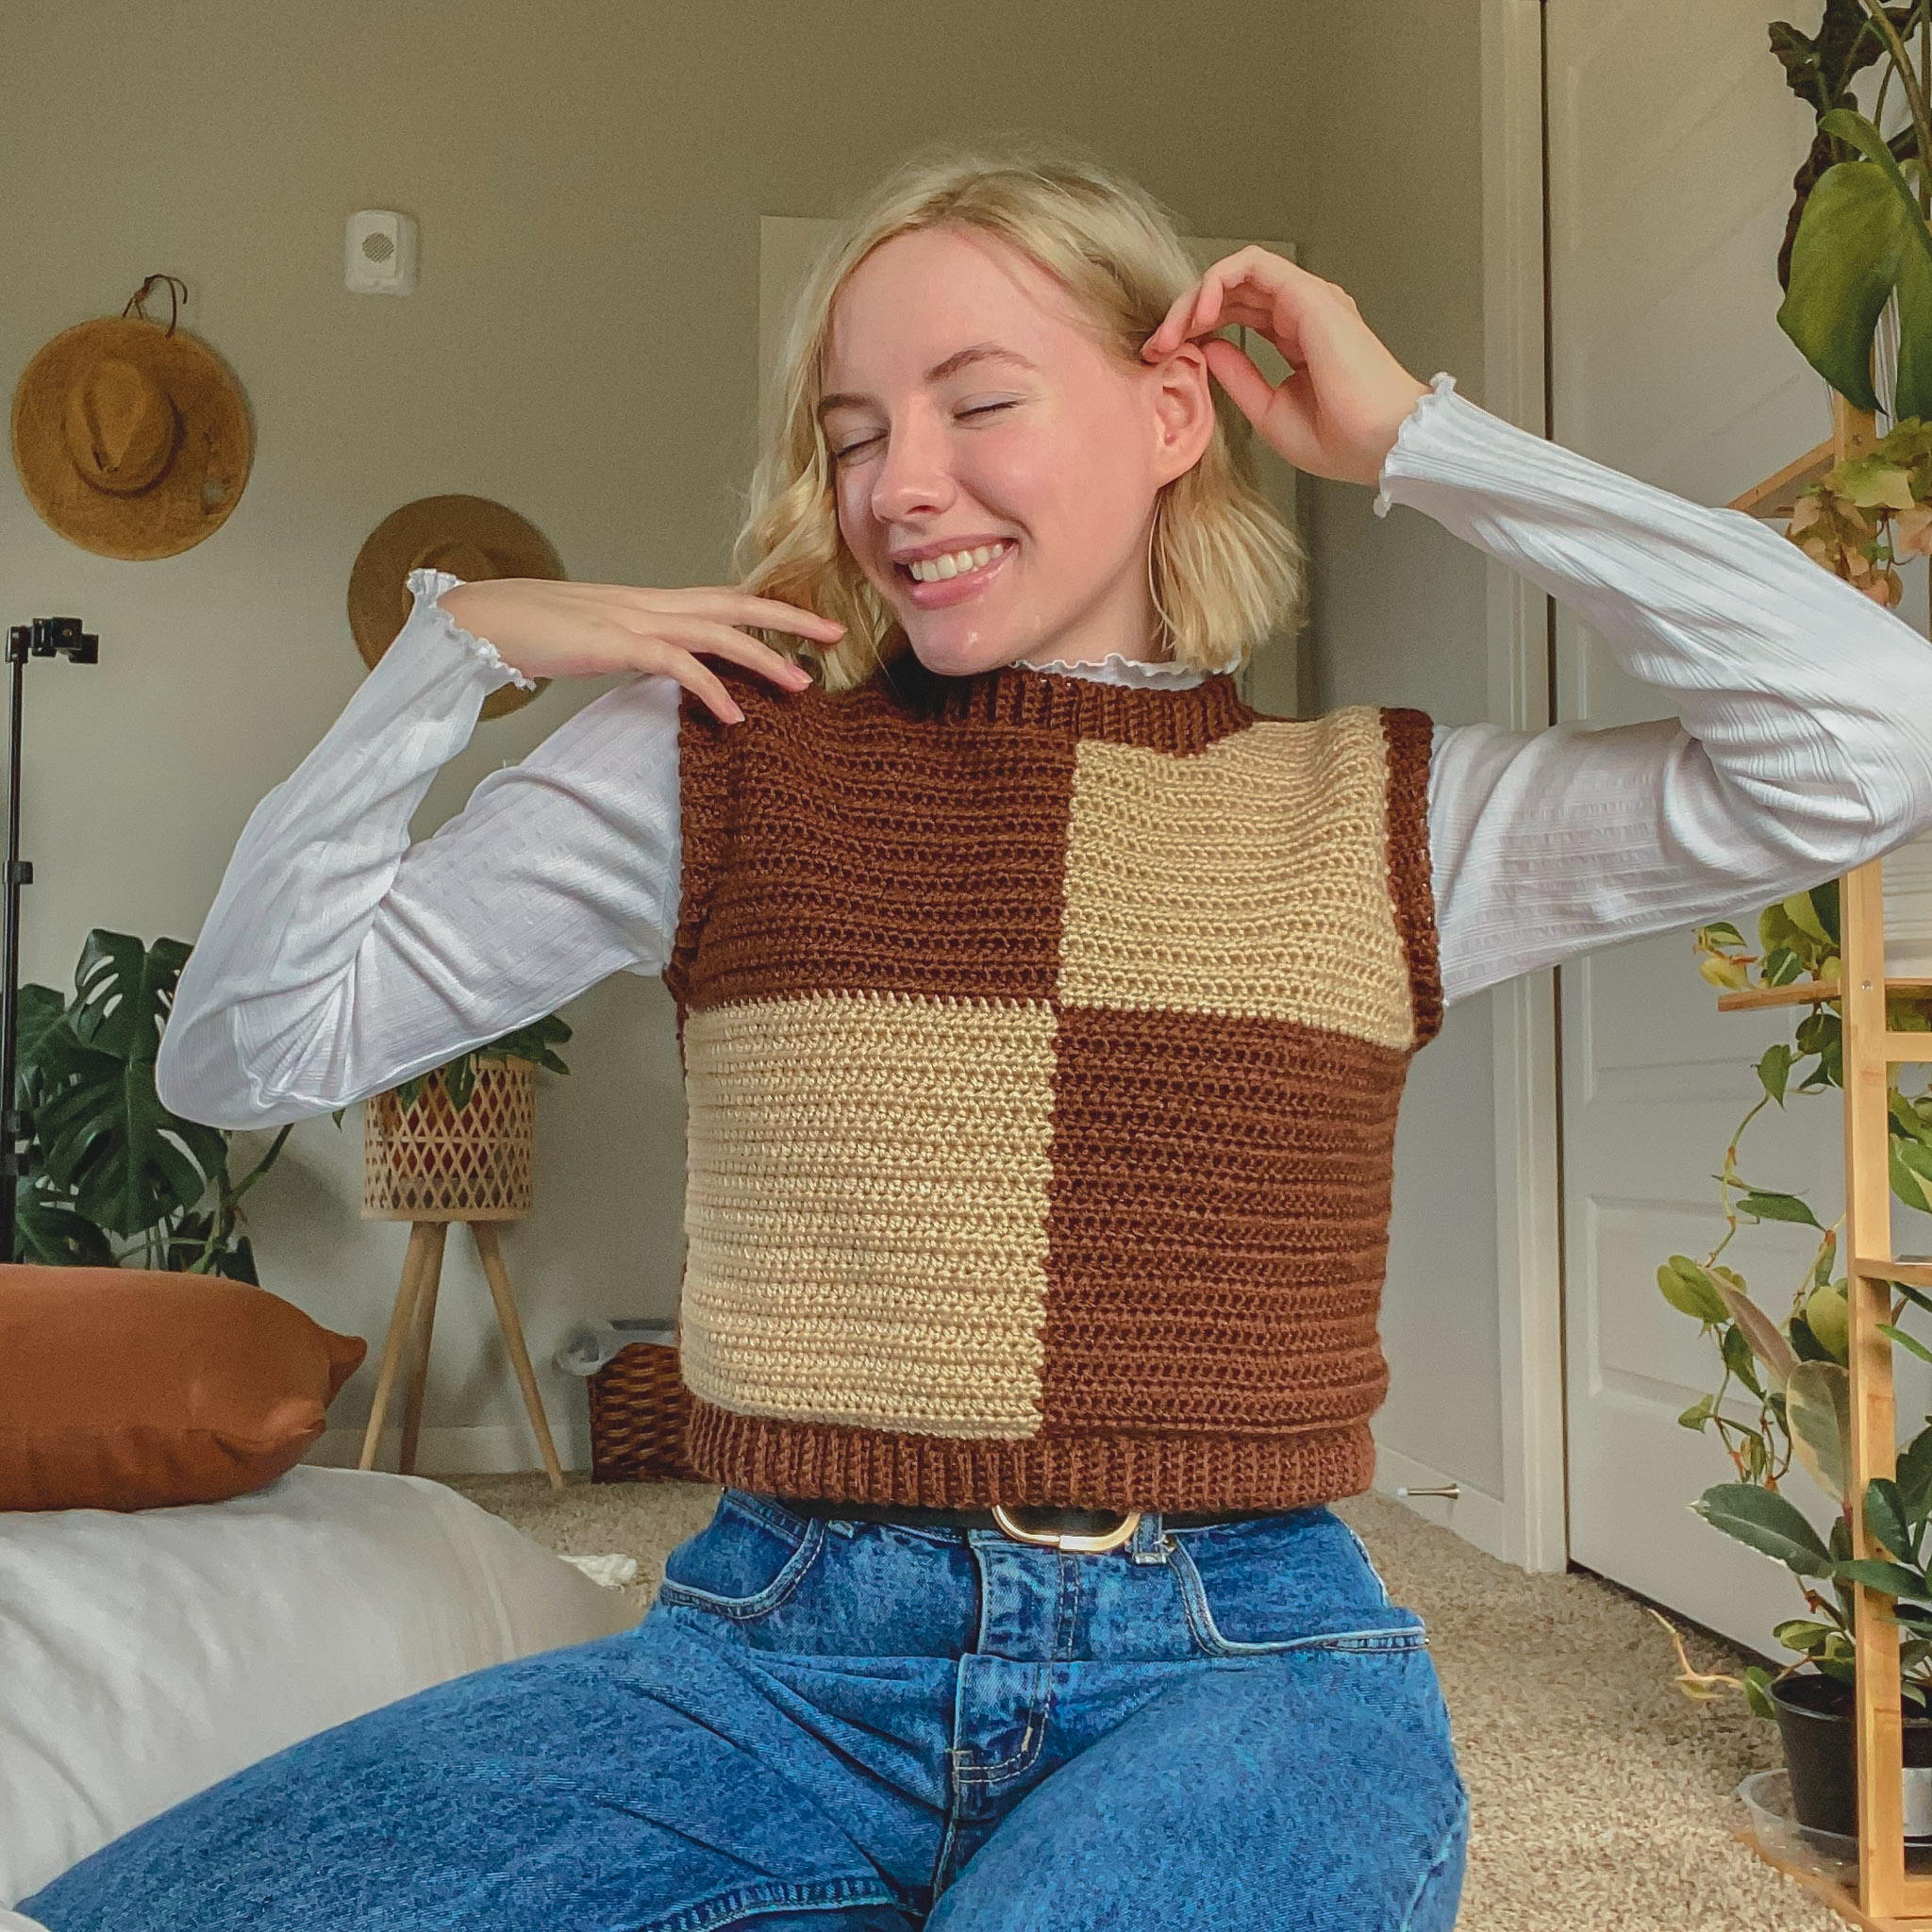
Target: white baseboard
pixel 1474 1517
pixel 493 1449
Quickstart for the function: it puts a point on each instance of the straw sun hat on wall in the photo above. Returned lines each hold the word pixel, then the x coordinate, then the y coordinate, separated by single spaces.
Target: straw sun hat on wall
pixel 131 438
pixel 473 537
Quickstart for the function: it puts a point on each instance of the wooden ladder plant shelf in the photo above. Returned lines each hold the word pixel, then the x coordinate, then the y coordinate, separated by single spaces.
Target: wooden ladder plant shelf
pixel 1888 1899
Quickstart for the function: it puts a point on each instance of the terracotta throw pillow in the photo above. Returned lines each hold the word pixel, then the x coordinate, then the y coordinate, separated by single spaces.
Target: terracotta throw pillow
pixel 126 1389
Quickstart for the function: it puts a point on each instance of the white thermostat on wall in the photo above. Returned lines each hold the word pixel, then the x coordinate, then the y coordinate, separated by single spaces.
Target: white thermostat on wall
pixel 379 253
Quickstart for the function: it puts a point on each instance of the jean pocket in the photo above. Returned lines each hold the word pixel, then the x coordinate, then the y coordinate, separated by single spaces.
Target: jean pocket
pixel 1232 1611
pixel 744 1562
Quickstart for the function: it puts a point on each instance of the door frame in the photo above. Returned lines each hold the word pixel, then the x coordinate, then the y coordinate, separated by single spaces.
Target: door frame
pixel 1526 1060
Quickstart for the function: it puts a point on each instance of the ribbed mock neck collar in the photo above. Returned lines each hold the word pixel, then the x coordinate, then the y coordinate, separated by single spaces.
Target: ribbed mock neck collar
pixel 1017 695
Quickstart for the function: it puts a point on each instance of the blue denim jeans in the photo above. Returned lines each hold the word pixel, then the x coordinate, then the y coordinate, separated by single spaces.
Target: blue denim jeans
pixel 842 1726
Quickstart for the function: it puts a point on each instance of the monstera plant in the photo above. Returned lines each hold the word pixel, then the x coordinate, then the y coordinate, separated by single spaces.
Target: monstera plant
pixel 109 1175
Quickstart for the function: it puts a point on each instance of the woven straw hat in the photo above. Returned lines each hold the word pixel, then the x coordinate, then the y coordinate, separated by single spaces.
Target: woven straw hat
pixel 132 439
pixel 470 537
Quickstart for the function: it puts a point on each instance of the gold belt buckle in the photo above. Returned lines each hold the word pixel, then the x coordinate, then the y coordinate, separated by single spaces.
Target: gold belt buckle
pixel 1067 1540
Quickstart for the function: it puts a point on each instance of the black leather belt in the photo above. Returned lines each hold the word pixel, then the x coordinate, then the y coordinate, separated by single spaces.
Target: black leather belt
pixel 1068 1528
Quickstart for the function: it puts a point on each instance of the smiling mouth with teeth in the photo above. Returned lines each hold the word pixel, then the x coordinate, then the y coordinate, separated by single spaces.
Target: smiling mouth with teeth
pixel 933 570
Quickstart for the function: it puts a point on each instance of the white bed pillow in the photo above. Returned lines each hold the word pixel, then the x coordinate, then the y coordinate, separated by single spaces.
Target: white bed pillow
pixel 143 1657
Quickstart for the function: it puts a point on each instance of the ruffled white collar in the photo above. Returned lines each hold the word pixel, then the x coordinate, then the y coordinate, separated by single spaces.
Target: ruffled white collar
pixel 1115 669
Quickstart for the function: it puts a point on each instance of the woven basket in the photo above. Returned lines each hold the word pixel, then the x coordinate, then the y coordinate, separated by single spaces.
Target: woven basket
pixel 432 1162
pixel 638 1409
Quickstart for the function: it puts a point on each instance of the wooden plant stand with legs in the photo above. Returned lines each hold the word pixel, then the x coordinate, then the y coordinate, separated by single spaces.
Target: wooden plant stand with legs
pixel 429 1166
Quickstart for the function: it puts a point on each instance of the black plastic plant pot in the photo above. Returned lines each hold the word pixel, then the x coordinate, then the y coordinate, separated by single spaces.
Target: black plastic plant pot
pixel 1815 1718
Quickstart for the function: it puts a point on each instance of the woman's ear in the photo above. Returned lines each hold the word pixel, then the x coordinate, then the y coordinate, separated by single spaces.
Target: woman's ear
pixel 1183 411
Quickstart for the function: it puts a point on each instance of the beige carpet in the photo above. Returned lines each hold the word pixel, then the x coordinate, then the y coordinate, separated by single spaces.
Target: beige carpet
pixel 1602 1798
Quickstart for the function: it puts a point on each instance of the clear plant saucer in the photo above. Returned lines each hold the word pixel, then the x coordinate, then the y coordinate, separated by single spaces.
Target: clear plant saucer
pixel 1767 1796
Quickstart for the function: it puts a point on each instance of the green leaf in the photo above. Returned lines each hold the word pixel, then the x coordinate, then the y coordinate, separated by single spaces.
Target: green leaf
pixel 1906 1013
pixel 124 992
pixel 1914 1478
pixel 1763 1206
pixel 1888 1579
pixel 41 1008
pixel 1690 1290
pixel 1827 1253
pixel 1805 913
pixel 1760 1331
pixel 102 1136
pixel 1805 1344
pixel 1775 1069
pixel 1737 1354
pixel 1828 1318
pixel 1757 1692
pixel 1885 1518
pixel 1698 1413
pixel 1801 1633
pixel 459 1081
pixel 1911 1343
pixel 1818 1405
pixel 1911 1173
pixel 1861 238
pixel 49 1229
pixel 1767 1523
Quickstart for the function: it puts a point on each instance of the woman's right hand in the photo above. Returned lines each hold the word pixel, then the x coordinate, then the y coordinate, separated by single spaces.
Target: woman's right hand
pixel 546 629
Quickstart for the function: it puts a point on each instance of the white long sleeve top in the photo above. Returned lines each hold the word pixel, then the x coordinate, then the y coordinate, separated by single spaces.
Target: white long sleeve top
pixel 339 958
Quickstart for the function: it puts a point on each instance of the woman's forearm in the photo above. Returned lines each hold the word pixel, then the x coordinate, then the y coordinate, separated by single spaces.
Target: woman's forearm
pixel 1801 745
pixel 338 959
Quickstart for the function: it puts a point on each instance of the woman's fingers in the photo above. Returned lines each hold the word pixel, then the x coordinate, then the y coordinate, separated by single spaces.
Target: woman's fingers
pixel 1253 394
pixel 1250 289
pixel 1281 414
pixel 1173 331
pixel 733 606
pixel 702 681
pixel 721 640
pixel 669 646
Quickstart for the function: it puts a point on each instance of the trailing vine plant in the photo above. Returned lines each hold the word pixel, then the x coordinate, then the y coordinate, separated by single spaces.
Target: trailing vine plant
pixel 1782 1396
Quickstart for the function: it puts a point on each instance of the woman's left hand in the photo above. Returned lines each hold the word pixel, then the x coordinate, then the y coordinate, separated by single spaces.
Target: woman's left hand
pixel 1339 408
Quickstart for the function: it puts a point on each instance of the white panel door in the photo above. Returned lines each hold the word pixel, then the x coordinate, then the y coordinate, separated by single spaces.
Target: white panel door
pixel 1672 141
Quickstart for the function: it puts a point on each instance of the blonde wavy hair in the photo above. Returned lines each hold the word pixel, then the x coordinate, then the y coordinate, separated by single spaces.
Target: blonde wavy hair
pixel 1222 567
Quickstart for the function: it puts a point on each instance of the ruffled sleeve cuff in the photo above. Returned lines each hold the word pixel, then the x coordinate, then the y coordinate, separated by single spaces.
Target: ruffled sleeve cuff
pixel 427 587
pixel 1409 455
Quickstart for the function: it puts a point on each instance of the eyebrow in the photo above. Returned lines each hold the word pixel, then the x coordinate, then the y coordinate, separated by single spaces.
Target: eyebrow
pixel 961 358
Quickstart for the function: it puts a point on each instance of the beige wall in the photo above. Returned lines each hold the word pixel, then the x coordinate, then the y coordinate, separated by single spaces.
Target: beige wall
pixel 588 177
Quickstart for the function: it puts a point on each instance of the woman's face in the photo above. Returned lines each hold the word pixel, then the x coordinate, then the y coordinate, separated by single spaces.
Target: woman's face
pixel 996 467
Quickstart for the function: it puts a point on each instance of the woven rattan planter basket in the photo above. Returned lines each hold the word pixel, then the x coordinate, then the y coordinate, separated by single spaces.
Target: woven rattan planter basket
pixel 435 1163
pixel 638 1409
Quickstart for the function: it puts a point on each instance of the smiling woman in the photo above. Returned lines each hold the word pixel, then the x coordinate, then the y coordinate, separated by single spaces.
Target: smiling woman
pixel 1044 1013
pixel 963 401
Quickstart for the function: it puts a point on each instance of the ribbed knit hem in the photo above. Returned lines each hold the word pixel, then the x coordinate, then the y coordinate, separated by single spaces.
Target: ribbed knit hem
pixel 1191 1471
pixel 1181 722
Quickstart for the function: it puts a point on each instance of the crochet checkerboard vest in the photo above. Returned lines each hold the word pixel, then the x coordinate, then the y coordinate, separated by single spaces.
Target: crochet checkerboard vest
pixel 1043 1043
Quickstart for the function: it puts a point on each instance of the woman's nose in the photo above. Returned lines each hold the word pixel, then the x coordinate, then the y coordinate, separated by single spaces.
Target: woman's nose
pixel 913 481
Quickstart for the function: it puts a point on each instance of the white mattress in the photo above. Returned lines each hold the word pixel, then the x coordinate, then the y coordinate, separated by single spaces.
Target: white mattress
pixel 143 1657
